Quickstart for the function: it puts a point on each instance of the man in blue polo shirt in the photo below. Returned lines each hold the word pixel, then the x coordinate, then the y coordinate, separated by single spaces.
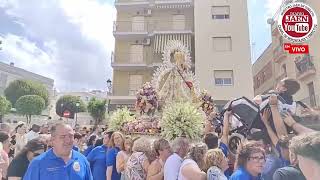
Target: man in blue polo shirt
pixel 97 158
pixel 60 162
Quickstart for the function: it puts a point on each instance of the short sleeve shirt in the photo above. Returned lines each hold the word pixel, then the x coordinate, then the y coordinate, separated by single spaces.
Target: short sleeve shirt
pixel 49 166
pixel 243 174
pixel 111 161
pixel 172 167
pixel 97 159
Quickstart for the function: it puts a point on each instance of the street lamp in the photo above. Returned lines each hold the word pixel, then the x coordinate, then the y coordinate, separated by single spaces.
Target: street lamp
pixel 109 86
pixel 109 91
pixel 61 105
pixel 77 105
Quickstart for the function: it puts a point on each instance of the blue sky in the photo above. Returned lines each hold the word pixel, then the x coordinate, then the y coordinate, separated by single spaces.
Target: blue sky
pixel 71 40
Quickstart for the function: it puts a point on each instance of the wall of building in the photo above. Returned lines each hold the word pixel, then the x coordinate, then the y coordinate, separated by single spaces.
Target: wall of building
pixel 263 72
pixel 289 61
pixel 238 60
pixel 121 80
pixel 160 19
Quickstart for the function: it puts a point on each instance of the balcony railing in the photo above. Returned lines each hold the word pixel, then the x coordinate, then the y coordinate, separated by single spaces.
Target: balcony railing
pixel 129 26
pixel 127 59
pixel 130 58
pixel 172 26
pixel 151 27
pixel 305 67
pixel 279 53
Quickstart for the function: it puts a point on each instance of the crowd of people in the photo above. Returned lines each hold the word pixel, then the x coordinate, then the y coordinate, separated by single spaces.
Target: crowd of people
pixel 284 150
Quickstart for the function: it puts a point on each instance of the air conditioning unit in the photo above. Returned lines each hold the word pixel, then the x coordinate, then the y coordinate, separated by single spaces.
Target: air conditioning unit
pixel 146 42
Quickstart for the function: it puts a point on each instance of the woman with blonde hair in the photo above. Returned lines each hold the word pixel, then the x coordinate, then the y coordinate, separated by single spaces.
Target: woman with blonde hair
pixel 193 165
pixel 216 164
pixel 115 146
pixel 123 156
pixel 163 151
pixel 138 163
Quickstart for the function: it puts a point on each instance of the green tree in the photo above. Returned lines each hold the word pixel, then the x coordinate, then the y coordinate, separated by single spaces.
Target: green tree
pixel 5 107
pixel 19 88
pixel 69 102
pixel 97 110
pixel 29 105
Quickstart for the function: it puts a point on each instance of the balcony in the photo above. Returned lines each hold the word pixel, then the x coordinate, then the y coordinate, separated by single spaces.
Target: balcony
pixel 173 4
pixel 130 4
pixel 129 28
pixel 131 61
pixel 279 54
pixel 305 67
pixel 143 29
pixel 171 27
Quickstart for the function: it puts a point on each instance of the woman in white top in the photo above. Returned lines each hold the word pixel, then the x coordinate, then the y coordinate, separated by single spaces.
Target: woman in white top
pixel 122 157
pixel 21 139
pixel 191 168
pixel 216 164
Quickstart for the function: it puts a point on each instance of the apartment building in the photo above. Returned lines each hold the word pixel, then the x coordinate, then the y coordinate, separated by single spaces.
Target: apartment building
pixel 210 29
pixel 303 67
pixel 222 49
pixel 141 31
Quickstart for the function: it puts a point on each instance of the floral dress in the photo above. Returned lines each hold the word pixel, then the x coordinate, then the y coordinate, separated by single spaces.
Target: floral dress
pixel 134 169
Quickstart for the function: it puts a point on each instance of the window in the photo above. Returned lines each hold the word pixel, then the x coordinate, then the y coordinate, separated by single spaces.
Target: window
pixel 223 78
pixel 135 83
pixel 179 22
pixel 284 70
pixel 220 12
pixel 312 94
pixel 136 53
pixel 138 24
pixel 222 43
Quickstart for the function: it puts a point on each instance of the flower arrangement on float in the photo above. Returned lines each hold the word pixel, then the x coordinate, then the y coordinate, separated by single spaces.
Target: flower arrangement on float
pixel 119 118
pixel 182 119
pixel 147 100
pixel 206 103
pixel 142 125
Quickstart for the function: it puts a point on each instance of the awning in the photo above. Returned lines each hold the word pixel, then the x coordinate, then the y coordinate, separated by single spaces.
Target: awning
pixel 161 41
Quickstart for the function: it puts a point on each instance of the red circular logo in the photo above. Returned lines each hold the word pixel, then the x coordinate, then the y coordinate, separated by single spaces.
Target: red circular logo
pixel 297 22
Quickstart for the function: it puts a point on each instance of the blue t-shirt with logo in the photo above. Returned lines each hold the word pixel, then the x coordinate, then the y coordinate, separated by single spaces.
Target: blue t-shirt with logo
pixel 111 161
pixel 243 174
pixel 97 159
pixel 49 166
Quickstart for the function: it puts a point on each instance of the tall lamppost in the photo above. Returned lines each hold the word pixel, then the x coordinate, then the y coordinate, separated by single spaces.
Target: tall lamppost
pixel 77 109
pixel 61 111
pixel 109 92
